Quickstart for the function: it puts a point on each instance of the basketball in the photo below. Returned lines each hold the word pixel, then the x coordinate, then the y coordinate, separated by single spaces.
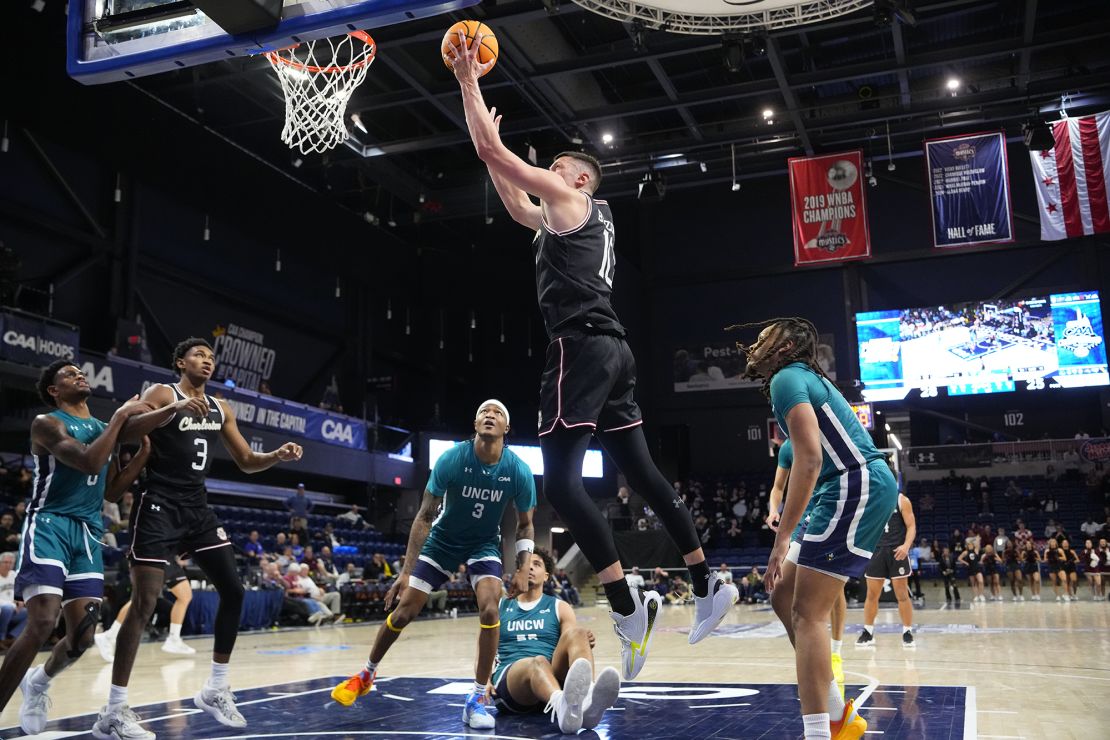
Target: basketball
pixel 471 29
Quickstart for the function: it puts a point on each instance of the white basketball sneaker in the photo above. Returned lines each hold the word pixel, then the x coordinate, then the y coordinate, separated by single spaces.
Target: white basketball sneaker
pixel 603 694
pixel 33 711
pixel 174 644
pixel 120 723
pixel 565 706
pixel 711 609
pixel 635 631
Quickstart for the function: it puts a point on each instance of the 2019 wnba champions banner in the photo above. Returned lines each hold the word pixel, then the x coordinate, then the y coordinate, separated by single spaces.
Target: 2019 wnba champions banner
pixel 830 216
pixel 969 190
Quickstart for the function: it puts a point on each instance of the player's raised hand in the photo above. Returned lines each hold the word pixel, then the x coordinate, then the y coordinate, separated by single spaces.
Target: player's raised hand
pixel 496 118
pixel 464 59
pixel 395 591
pixel 194 406
pixel 519 584
pixel 289 452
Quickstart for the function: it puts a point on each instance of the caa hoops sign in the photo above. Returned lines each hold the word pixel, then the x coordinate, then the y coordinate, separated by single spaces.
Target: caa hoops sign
pixel 337 431
pixel 31 340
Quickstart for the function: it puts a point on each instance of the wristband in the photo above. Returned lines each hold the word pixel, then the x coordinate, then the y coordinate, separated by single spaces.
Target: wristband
pixel 525 546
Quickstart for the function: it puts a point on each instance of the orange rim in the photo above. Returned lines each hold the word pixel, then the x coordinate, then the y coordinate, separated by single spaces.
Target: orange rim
pixel 362 36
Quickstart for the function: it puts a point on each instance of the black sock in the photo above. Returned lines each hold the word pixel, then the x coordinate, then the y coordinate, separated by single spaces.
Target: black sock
pixel 699 578
pixel 620 597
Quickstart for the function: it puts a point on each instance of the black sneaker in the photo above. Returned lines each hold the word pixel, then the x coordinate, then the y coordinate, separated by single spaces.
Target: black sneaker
pixel 865 638
pixel 907 640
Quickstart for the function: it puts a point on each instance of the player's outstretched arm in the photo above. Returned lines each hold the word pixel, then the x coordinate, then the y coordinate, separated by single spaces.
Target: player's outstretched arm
pixel 160 409
pixel 517 203
pixel 120 479
pixel 247 459
pixel 48 434
pixel 544 184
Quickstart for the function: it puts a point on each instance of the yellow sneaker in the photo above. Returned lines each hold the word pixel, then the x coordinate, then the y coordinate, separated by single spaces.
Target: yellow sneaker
pixel 351 689
pixel 850 726
pixel 838 673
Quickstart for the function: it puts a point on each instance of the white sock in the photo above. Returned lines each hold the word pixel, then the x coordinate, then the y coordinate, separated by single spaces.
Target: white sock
pixel 39 679
pixel 175 630
pixel 218 679
pixel 479 689
pixel 112 631
pixel 870 629
pixel 836 645
pixel 817 725
pixel 117 696
pixel 371 666
pixel 836 704
pixel 906 629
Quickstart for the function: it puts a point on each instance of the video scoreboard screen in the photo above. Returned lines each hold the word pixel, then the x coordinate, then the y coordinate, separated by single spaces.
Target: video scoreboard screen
pixel 993 346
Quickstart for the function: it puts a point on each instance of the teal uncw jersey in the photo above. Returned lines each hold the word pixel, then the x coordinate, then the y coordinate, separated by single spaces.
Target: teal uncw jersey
pixel 526 633
pixel 786 455
pixel 475 495
pixel 60 489
pixel 845 444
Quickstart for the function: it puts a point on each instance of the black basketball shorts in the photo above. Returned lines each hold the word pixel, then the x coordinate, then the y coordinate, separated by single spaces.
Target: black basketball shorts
pixel 161 530
pixel 588 382
pixel 884 565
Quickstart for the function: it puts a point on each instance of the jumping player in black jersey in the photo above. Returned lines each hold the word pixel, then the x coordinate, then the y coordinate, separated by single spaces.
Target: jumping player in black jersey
pixel 587 385
pixel 172 517
pixel 891 560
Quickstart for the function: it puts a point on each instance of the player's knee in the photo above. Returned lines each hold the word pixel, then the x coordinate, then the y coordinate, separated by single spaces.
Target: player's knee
pixel 399 618
pixel 539 664
pixel 231 592
pixel 41 625
pixel 488 615
pixel 578 633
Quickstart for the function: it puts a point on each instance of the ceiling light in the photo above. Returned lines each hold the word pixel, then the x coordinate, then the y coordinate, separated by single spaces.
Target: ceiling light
pixel 557 530
pixel 953 84
pixel 735 187
pixel 767 113
pixel 357 120
pixel 606 138
pixel 703 167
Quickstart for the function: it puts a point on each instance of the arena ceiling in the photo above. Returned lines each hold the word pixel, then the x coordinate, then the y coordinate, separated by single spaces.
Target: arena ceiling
pixel 683 106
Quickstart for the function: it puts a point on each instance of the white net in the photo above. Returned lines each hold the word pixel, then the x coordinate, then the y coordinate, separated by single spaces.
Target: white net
pixel 318 78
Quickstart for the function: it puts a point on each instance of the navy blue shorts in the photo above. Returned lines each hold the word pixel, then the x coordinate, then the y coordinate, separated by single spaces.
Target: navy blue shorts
pixel 504 701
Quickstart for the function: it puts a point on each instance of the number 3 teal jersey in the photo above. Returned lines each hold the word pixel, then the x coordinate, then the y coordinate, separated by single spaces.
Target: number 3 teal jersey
pixel 60 489
pixel 475 495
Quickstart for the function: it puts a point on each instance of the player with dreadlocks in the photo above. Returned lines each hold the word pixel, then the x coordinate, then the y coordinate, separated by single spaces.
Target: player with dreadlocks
pixel 853 492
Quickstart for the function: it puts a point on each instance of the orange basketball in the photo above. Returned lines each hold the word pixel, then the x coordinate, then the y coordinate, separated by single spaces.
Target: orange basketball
pixel 471 29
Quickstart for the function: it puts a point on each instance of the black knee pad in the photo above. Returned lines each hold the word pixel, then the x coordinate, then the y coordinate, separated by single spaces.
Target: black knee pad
pixel 87 624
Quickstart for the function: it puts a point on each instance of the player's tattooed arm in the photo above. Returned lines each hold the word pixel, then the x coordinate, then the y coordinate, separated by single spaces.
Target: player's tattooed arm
pixel 247 459
pixel 48 435
pixel 525 530
pixel 121 479
pixel 418 535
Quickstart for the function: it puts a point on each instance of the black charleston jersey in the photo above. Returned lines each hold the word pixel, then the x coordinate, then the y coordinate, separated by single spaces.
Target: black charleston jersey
pixel 894 533
pixel 574 274
pixel 181 453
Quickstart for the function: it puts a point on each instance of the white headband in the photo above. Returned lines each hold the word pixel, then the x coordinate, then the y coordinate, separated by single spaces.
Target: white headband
pixel 493 402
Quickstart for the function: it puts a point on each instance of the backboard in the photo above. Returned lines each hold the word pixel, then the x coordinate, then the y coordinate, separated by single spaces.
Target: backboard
pixel 109 40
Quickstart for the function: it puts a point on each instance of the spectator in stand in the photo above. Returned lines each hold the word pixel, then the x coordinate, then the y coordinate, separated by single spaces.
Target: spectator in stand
pixel 751 586
pixel 12 614
pixel 1022 535
pixel 679 592
pixel 295 546
pixel 308 560
pixel 252 548
pixel 725 573
pixel 291 609
pixel 623 520
pixel 1050 505
pixel 984 496
pixel 300 528
pixel 1071 561
pixel 947 563
pixel 398 564
pixel 280 543
pixel 9 535
pixel 635 580
pixel 109 514
pixel 928 503
pixel 328 536
pixel 925 551
pixel 1011 562
pixel 1090 528
pixel 353 518
pixel 299 505
pixel 285 559
pixel 972 538
pixel 740 509
pixel 1082 435
pixel 348 576
pixel 701 527
pixel 1001 541
pixel 567 590
pixel 1031 569
pixel 913 583
pixel 1012 491
pixel 304 588
pixel 1050 528
pixel 326 572
pixel 956 542
pixel 378 569
pixel 734 532
pixel 1091 562
pixel 660 582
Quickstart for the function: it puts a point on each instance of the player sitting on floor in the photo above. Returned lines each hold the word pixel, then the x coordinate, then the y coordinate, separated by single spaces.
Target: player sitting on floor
pixel 545 660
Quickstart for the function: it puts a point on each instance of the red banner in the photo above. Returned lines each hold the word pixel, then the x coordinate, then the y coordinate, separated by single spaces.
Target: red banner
pixel 830 214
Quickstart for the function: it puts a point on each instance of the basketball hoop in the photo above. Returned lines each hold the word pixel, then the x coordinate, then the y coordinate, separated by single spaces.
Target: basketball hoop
pixel 318 78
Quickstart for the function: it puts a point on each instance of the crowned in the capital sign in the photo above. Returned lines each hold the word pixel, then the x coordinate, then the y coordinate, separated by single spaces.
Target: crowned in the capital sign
pixel 830 216
pixel 242 356
pixel 969 189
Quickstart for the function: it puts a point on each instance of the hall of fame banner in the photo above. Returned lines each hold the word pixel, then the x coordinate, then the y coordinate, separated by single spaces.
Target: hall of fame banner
pixel 828 208
pixel 969 190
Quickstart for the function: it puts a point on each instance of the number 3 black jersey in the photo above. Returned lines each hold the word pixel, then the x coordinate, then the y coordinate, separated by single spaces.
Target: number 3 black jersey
pixel 574 274
pixel 181 454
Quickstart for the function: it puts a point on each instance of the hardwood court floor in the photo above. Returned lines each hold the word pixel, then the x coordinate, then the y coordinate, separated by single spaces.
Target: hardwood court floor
pixel 1034 670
